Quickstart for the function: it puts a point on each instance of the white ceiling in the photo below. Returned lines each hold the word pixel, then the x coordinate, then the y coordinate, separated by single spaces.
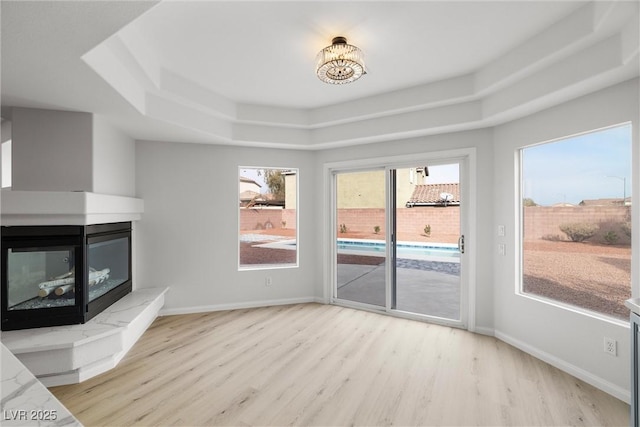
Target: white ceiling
pixel 245 54
pixel 264 52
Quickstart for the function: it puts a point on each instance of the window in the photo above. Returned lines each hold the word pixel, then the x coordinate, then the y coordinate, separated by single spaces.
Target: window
pixel 576 220
pixel 268 217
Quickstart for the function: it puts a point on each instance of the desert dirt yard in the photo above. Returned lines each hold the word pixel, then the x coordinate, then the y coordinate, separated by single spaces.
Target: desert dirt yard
pixel 591 276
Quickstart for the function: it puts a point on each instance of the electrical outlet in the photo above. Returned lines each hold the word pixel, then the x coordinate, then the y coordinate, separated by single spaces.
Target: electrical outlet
pixel 610 346
pixel 502 249
pixel 267 281
pixel 501 230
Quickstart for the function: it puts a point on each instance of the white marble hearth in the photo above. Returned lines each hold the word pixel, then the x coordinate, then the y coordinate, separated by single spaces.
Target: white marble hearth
pixel 71 354
pixel 25 401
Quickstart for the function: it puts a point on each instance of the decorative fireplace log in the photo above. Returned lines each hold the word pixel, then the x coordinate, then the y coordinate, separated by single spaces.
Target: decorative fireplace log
pixel 95 277
pixel 44 292
pixel 57 282
pixel 98 276
pixel 64 289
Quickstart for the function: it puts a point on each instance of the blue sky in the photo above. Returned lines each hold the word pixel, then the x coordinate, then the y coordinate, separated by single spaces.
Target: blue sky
pixel 252 173
pixel 444 174
pixel 588 166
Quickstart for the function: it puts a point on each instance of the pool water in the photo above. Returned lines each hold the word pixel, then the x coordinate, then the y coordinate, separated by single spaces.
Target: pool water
pixel 404 249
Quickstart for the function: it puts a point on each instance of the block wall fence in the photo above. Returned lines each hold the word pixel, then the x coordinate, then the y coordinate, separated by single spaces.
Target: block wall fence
pixel 410 221
pixel 443 220
pixel 544 222
pixel 261 219
pixel 539 221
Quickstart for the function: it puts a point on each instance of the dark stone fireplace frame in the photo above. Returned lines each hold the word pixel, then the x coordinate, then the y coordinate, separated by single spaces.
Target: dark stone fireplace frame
pixel 78 237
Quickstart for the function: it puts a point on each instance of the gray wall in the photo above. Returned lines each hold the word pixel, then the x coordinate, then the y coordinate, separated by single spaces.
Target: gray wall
pixel 70 151
pixel 114 160
pixel 51 150
pixel 188 236
pixel 566 338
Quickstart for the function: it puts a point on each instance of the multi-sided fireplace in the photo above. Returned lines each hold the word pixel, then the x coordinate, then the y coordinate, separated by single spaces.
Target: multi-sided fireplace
pixel 63 274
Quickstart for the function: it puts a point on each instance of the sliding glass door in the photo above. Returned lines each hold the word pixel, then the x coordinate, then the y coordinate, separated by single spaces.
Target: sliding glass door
pixel 361 236
pixel 398 239
pixel 426 256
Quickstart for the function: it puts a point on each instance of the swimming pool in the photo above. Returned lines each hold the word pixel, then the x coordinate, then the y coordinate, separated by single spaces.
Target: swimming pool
pixel 439 252
pixel 410 250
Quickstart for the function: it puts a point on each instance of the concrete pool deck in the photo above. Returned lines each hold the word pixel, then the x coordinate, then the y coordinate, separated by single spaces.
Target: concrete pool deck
pixel 422 291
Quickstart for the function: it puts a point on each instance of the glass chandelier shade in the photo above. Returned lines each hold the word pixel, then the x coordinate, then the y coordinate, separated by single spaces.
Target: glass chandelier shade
pixel 340 63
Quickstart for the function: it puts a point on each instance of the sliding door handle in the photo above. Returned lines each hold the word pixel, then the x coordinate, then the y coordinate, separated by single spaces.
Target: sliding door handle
pixel 461 243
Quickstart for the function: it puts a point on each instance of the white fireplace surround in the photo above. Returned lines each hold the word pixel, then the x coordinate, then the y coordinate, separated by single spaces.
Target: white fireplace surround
pixel 81 351
pixel 67 208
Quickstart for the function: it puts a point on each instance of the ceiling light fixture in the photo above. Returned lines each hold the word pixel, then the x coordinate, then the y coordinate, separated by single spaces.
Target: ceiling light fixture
pixel 340 63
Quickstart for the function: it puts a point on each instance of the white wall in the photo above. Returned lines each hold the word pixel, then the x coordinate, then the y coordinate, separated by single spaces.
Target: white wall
pixel 188 236
pixel 568 339
pixel 6 164
pixel 479 139
pixel 113 160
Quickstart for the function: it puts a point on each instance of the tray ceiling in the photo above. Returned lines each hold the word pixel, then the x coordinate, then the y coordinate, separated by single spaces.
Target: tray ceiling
pixel 242 72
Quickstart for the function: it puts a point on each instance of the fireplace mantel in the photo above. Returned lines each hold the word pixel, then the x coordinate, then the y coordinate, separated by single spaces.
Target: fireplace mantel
pixel 67 208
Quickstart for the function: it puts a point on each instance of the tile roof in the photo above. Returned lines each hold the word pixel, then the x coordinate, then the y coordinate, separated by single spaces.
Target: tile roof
pixel 249 195
pixel 433 194
pixel 249 180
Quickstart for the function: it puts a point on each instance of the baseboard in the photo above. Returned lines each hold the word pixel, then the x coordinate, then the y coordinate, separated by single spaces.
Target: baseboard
pixel 588 377
pixel 484 331
pixel 238 305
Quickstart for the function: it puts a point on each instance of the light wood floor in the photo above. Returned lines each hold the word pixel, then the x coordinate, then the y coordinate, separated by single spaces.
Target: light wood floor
pixel 314 364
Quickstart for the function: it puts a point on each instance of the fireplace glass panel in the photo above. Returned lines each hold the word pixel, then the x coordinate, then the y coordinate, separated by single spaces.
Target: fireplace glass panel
pixel 108 266
pixel 39 278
